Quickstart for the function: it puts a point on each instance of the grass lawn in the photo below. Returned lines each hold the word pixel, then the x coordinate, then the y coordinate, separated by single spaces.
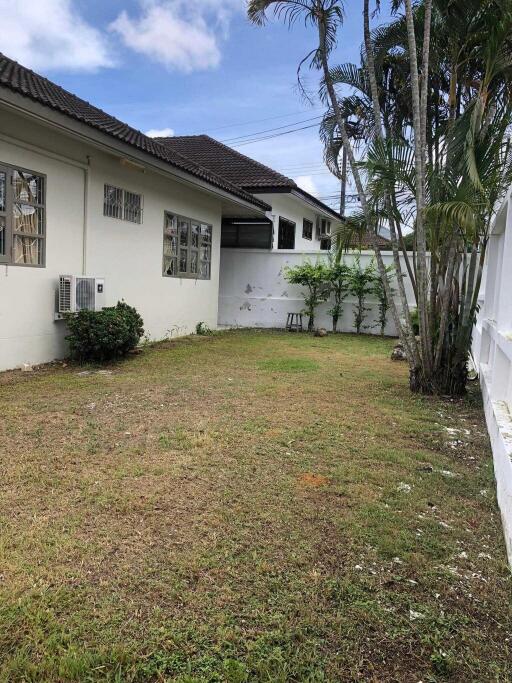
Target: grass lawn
pixel 254 506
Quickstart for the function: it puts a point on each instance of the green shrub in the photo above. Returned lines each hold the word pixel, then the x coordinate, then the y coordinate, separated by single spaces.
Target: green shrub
pixel 315 278
pixel 339 276
pixel 361 283
pixel 415 319
pixel 202 329
pixel 104 335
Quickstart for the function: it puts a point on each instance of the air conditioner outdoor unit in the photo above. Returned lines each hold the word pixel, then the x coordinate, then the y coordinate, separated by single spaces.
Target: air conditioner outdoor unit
pixel 79 293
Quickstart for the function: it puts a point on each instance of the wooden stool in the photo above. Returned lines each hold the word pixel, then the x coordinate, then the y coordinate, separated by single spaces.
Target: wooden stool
pixel 294 322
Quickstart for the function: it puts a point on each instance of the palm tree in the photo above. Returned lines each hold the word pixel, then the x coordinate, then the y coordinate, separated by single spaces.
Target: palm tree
pixel 430 112
pixel 326 16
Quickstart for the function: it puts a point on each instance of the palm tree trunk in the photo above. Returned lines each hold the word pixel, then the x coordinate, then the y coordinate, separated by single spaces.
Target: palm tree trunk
pixel 370 64
pixel 360 189
pixel 418 110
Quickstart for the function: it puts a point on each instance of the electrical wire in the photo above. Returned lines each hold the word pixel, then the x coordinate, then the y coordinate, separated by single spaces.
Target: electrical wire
pixel 249 123
pixel 275 135
pixel 269 130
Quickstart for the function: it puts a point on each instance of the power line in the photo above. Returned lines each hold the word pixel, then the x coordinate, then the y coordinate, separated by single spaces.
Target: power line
pixel 270 130
pixel 275 135
pixel 304 167
pixel 248 123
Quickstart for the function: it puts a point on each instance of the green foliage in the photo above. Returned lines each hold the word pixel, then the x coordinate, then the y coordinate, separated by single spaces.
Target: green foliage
pixel 339 273
pixel 315 278
pixel 380 292
pixel 104 335
pixel 415 319
pixel 466 169
pixel 203 330
pixel 361 284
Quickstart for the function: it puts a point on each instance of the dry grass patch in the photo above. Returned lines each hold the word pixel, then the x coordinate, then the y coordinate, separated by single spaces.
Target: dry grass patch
pixel 253 506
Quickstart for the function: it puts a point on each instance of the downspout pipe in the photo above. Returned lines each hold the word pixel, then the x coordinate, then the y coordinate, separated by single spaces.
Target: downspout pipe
pixel 85 216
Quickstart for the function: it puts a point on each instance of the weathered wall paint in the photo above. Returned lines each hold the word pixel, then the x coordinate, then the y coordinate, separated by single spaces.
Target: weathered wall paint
pixel 255 293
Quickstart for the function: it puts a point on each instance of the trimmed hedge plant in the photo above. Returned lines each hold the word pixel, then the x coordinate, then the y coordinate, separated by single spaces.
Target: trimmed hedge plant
pixel 104 335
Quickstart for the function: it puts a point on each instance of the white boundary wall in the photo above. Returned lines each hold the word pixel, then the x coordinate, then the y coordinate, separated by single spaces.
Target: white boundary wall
pixel 254 292
pixel 492 352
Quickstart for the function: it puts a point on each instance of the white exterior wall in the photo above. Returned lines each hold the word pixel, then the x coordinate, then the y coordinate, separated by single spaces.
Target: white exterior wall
pixel 127 255
pixel 492 352
pixel 254 292
pixel 294 209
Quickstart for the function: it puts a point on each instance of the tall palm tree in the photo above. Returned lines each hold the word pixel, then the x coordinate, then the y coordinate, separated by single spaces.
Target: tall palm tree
pixel 326 16
pixel 431 111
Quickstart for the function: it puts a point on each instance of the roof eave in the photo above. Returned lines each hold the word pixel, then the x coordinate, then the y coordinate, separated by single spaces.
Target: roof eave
pixel 298 192
pixel 69 125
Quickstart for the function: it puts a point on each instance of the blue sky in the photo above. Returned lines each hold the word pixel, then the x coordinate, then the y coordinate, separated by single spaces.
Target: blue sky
pixel 191 66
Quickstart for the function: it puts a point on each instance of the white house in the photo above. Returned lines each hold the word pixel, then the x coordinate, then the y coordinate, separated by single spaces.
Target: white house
pixel 82 193
pixel 254 253
pixel 298 221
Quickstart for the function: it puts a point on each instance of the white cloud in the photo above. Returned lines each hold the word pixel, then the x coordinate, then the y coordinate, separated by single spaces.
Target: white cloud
pixel 160 133
pixel 185 35
pixel 307 183
pixel 50 34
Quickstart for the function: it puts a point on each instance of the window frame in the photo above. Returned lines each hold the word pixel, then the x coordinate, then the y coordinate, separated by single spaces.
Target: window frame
pixel 238 225
pixel 290 223
pixel 7 259
pixel 122 205
pixel 201 243
pixel 310 231
pixel 328 224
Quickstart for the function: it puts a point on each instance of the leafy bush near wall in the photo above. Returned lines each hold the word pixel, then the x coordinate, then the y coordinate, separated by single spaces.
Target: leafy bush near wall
pixel 315 278
pixel 380 292
pixel 338 276
pixel 361 283
pixel 335 281
pixel 104 335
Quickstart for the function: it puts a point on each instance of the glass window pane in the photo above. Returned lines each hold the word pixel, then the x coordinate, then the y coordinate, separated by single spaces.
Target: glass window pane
pixel 183 260
pixel 113 202
pixel 205 252
pixel 183 230
pixel 28 250
pixel 204 272
pixel 132 207
pixel 170 266
pixel 196 229
pixel 2 236
pixel 206 232
pixel 2 190
pixel 193 261
pixel 28 187
pixel 28 219
pixel 307 229
pixel 170 246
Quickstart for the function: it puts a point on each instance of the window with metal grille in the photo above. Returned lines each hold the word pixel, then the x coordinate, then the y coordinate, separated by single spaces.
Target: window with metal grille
pixel 307 229
pixel 22 217
pixel 286 234
pixel 122 204
pixel 187 248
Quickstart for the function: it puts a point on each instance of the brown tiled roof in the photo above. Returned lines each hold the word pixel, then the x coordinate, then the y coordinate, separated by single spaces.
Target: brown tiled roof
pixel 239 169
pixel 355 241
pixel 227 162
pixel 25 82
